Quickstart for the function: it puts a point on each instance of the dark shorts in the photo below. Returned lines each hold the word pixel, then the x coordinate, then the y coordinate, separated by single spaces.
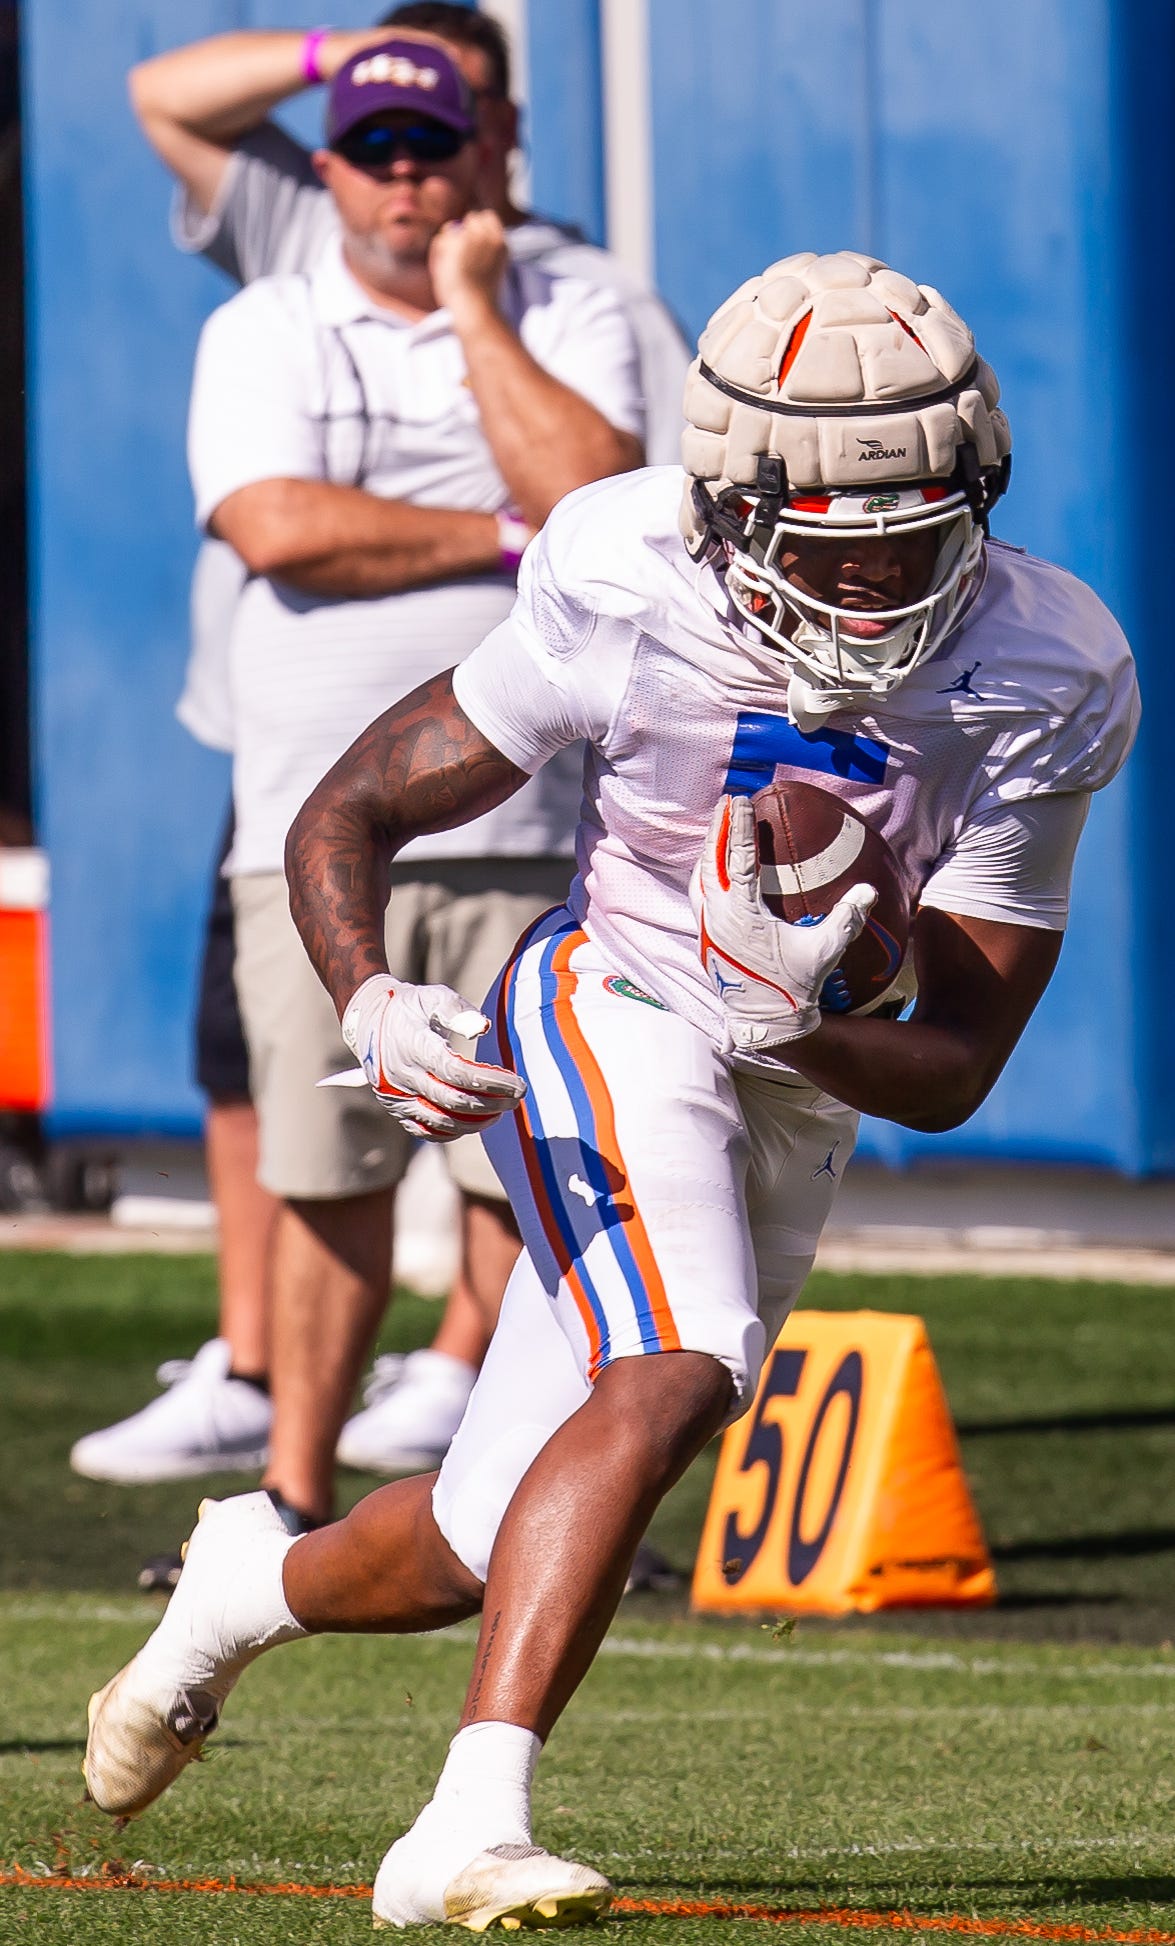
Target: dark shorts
pixel 222 1059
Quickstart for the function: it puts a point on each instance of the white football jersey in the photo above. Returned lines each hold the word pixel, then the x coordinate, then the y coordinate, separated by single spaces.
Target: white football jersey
pixel 619 638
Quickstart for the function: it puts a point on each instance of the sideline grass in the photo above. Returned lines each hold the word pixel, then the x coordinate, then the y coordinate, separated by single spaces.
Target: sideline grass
pixel 1064 1395
pixel 864 1766
pixel 1008 1781
pixel 80 1340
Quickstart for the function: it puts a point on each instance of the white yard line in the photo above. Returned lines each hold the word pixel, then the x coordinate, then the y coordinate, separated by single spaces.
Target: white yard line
pixel 1076 1715
pixel 925 1254
pixel 928 1661
pixel 18 1609
pixel 878 1712
pixel 919 1661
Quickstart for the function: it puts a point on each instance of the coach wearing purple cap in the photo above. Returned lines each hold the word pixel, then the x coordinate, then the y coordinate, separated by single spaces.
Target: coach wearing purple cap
pixel 399 74
pixel 376 440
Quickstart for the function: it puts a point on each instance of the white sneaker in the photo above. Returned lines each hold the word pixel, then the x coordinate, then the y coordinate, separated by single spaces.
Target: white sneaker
pixel 413 1406
pixel 205 1422
pixel 509 1886
pixel 153 1717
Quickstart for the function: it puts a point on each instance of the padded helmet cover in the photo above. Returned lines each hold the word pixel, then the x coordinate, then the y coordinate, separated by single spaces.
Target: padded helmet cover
pixel 835 376
pixel 878 378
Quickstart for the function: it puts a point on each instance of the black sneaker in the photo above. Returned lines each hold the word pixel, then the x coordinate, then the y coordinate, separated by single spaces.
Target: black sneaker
pixel 159 1573
pixel 651 1573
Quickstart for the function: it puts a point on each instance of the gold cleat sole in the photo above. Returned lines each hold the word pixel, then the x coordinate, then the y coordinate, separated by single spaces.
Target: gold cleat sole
pixel 514 1887
pixel 572 1909
pixel 568 1909
pixel 200 1511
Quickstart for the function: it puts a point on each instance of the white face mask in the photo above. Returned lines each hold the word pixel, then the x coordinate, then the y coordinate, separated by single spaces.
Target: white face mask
pixel 834 665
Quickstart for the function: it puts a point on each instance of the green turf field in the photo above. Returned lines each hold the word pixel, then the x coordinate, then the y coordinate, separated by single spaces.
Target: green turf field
pixel 1013 1765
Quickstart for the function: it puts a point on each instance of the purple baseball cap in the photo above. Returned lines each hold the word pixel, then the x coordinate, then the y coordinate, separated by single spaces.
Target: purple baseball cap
pixel 411 75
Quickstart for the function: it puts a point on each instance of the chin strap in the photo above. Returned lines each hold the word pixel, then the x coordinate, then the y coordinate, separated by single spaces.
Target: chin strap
pixel 809 701
pixel 808 707
pixel 811 698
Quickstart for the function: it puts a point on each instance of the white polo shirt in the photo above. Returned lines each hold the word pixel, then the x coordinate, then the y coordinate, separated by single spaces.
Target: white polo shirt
pixel 272 215
pixel 305 377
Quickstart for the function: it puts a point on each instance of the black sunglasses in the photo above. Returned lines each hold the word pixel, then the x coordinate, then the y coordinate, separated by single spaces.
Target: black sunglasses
pixel 376 145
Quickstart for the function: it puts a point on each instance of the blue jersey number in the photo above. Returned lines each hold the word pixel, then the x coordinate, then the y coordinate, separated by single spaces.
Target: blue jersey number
pixel 763 742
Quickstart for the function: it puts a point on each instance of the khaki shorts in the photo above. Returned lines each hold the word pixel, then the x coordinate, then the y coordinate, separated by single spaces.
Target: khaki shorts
pixel 446 926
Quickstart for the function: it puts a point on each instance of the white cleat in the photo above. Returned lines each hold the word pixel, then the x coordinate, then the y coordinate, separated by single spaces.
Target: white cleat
pixel 132 1751
pixel 151 1720
pixel 509 1886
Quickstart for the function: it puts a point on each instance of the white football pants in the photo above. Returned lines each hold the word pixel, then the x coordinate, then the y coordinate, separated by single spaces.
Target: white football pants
pixel 666 1202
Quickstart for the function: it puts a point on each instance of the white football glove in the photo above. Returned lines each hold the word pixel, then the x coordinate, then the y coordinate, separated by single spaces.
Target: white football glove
pixel 402 1035
pixel 767 973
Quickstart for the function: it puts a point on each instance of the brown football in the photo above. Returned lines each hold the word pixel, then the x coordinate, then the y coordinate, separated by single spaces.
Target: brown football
pixel 812 848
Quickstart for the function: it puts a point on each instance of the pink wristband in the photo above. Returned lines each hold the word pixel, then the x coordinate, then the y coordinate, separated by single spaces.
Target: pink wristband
pixel 513 540
pixel 310 69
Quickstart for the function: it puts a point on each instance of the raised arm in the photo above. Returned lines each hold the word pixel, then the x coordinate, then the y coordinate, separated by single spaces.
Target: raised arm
pixel 195 103
pixel 420 767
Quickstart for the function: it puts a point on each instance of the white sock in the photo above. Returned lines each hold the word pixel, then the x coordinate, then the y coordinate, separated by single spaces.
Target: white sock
pixel 259 1616
pixel 217 1622
pixel 482 1796
pixel 481 1803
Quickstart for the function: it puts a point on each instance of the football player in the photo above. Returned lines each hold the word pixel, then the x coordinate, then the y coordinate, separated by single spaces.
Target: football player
pixel 817 598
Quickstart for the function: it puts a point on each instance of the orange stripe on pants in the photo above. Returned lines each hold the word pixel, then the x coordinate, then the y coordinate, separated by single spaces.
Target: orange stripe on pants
pixel 596 1089
pixel 526 1142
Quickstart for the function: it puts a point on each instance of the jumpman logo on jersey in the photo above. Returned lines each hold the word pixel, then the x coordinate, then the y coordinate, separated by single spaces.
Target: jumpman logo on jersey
pixel 826 1168
pixel 962 685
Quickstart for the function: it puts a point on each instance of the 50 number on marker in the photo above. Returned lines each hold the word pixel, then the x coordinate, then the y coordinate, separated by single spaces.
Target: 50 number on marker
pixel 804 1525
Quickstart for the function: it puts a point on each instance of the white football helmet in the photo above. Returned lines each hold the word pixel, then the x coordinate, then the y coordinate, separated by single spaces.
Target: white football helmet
pixel 832 397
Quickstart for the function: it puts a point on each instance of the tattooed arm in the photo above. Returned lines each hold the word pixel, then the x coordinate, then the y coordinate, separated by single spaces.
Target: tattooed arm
pixel 420 767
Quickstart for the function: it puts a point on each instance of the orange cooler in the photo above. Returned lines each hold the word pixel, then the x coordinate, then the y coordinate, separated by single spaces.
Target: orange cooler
pixel 24 979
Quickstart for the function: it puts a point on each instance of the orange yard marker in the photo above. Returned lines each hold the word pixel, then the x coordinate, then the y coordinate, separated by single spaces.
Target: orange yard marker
pixel 847 1918
pixel 842 1488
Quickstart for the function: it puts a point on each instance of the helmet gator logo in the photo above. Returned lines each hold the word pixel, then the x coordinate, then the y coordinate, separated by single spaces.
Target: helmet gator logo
pixel 882 503
pixel 875 450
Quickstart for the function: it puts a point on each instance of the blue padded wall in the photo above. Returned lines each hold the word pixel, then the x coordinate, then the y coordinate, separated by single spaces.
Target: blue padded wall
pixel 564 133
